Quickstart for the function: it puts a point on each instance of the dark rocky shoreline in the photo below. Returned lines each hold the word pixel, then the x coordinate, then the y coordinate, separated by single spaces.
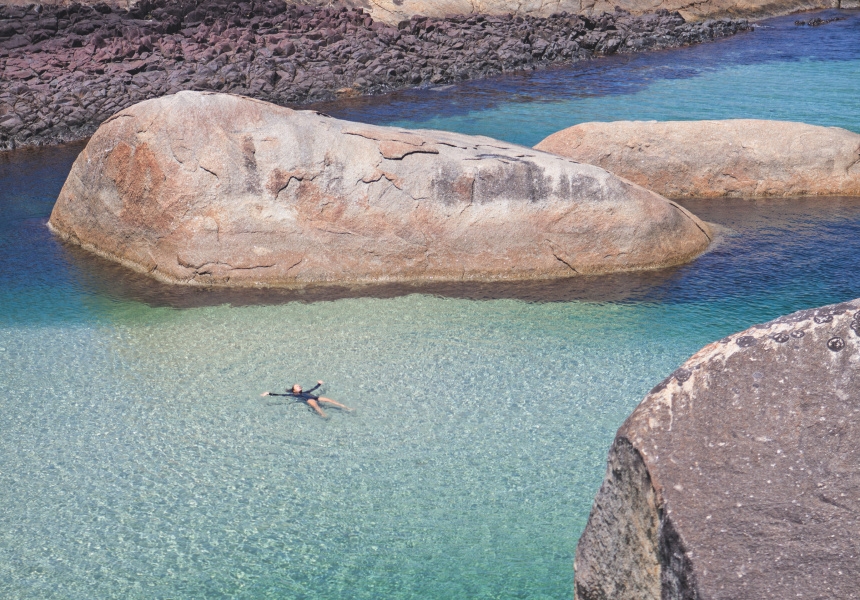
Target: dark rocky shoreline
pixel 64 70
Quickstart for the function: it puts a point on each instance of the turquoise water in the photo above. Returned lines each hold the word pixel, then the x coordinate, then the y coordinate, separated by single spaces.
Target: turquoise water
pixel 780 71
pixel 137 459
pixel 828 95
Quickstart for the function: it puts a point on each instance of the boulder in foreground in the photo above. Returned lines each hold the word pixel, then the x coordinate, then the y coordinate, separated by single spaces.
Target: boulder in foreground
pixel 738 476
pixel 213 189
pixel 707 159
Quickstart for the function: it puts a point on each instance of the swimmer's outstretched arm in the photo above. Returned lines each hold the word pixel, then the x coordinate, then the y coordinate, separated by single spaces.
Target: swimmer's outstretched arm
pixel 273 394
pixel 319 383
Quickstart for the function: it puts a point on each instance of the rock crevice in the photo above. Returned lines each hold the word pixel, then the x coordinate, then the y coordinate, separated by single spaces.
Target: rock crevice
pixel 710 159
pixel 316 202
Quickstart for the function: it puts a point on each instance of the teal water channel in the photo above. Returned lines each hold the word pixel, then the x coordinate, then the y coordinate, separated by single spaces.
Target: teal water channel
pixel 138 460
pixel 780 71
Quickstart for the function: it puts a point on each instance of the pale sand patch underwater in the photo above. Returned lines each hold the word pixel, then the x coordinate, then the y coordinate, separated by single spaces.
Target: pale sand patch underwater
pixel 138 453
pixel 135 446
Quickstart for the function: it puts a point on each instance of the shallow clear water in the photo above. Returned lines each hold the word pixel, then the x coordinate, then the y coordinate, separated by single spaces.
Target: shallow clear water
pixel 138 460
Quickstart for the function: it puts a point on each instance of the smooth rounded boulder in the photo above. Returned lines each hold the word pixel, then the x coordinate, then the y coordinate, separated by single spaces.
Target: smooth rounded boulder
pixel 709 159
pixel 214 189
pixel 739 475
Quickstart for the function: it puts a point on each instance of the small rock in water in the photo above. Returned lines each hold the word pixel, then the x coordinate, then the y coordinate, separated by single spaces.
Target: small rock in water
pixel 818 21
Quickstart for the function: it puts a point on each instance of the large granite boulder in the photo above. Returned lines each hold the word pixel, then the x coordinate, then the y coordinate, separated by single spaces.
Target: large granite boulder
pixel 738 477
pixel 213 189
pixel 704 159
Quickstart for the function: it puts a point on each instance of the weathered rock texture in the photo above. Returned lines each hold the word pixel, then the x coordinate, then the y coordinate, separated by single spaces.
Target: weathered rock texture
pixel 213 189
pixel 738 477
pixel 704 159
pixel 393 11
pixel 691 9
pixel 64 70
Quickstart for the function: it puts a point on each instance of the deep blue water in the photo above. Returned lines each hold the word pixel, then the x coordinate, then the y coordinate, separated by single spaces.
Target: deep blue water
pixel 779 71
pixel 138 460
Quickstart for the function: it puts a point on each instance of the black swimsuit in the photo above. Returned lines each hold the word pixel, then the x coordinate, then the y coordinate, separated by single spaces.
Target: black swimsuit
pixel 302 396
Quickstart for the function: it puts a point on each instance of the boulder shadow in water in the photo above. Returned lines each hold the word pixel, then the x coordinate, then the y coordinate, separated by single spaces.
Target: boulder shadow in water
pixel 765 246
pixel 106 278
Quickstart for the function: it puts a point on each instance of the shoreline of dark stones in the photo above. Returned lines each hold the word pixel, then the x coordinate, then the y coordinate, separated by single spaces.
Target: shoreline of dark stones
pixel 64 70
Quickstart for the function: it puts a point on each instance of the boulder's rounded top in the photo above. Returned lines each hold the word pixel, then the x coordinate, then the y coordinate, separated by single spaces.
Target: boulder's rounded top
pixel 216 189
pixel 735 157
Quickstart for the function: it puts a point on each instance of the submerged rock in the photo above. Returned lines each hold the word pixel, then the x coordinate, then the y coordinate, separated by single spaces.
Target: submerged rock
pixel 739 475
pixel 213 189
pixel 741 158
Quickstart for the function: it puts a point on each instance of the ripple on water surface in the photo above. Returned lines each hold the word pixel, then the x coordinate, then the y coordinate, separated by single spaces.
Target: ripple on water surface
pixel 140 454
pixel 138 460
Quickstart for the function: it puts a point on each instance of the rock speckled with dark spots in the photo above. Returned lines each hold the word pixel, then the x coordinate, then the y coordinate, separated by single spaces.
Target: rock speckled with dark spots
pixel 745 341
pixel 65 69
pixel 741 481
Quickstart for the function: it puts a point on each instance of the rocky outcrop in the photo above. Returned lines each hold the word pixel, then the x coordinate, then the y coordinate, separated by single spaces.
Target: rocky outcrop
pixel 393 11
pixel 739 475
pixel 692 10
pixel 213 189
pixel 64 70
pixel 706 159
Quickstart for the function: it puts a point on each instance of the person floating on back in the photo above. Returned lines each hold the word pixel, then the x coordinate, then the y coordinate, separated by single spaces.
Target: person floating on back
pixel 310 399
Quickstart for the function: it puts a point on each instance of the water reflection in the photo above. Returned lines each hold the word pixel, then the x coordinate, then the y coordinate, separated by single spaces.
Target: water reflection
pixel 779 253
pixel 103 277
pixel 137 455
pixel 764 247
